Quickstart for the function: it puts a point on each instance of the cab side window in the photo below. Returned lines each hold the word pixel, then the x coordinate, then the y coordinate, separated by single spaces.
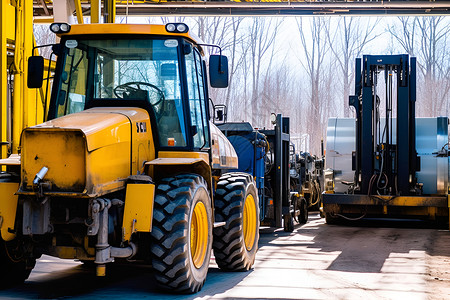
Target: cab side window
pixel 197 103
pixel 71 97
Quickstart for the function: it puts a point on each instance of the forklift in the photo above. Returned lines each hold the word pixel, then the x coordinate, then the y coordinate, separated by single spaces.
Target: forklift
pixel 386 163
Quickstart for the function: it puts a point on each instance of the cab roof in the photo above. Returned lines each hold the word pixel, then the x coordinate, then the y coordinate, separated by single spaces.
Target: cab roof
pixel 106 29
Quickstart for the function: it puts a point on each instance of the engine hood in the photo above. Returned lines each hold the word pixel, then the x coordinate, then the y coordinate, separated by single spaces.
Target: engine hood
pixel 91 152
pixel 101 126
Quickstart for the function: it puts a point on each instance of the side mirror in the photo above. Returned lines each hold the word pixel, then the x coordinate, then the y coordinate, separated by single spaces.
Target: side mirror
pixel 187 48
pixel 35 72
pixel 218 71
pixel 220 114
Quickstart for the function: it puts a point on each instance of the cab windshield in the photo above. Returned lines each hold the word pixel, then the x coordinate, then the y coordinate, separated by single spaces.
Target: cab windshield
pixel 143 70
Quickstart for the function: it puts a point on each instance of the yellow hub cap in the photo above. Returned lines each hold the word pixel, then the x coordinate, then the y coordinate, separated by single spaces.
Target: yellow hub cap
pixel 249 222
pixel 199 234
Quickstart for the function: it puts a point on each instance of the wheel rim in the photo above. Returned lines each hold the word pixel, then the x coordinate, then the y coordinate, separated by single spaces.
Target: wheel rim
pixel 249 222
pixel 199 234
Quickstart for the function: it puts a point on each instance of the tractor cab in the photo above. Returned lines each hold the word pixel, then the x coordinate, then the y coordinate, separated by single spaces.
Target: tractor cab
pixel 158 68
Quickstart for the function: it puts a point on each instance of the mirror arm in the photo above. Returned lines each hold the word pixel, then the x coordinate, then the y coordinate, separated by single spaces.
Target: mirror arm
pixel 42 46
pixel 48 76
pixel 220 53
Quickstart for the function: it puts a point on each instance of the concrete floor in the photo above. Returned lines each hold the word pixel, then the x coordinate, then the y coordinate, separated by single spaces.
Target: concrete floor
pixel 372 260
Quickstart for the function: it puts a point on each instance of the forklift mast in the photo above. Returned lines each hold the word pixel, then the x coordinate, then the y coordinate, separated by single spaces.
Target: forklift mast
pixel 385 160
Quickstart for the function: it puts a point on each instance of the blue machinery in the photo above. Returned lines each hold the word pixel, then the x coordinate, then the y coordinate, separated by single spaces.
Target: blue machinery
pixel 265 155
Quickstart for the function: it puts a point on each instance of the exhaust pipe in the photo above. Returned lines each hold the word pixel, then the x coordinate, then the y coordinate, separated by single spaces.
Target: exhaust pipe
pixel 40 175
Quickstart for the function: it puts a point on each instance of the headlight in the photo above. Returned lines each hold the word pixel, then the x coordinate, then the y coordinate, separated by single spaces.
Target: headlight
pixel 64 27
pixel 55 27
pixel 177 27
pixel 181 27
pixel 60 27
pixel 170 27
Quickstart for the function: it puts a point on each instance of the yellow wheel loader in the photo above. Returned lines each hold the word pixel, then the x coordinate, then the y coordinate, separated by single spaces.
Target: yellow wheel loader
pixel 128 165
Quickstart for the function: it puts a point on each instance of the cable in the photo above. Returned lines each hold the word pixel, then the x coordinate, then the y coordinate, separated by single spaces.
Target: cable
pixel 352 219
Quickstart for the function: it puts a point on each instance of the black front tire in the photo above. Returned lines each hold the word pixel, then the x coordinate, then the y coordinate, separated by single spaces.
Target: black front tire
pixel 175 262
pixel 235 245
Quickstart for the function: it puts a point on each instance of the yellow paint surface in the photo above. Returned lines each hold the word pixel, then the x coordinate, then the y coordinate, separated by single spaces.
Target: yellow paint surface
pixel 8 207
pixel 138 212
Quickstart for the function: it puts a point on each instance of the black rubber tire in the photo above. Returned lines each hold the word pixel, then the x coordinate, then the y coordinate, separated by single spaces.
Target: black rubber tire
pixel 229 246
pixel 15 268
pixel 296 202
pixel 303 218
pixel 15 265
pixel 288 223
pixel 173 265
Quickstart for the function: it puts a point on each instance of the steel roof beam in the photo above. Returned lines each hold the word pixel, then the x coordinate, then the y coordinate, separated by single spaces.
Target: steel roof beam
pixel 229 8
pixel 293 8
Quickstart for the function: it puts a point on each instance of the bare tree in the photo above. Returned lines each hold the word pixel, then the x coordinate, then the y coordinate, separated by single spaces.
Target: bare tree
pixel 263 32
pixel 427 39
pixel 225 33
pixel 315 48
pixel 242 108
pixel 281 94
pixel 347 42
pixel 179 19
pixel 44 36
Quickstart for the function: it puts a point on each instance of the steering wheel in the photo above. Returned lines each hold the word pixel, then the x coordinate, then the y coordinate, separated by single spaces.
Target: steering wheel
pixel 126 89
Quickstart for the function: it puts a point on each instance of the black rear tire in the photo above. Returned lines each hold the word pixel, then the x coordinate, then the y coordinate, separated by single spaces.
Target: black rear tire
pixel 303 218
pixel 288 223
pixel 15 263
pixel 16 268
pixel 182 209
pixel 235 244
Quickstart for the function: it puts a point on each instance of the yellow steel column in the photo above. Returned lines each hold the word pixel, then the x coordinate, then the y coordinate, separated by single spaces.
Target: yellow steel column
pixel 7 21
pixel 110 11
pixel 79 11
pixel 17 103
pixel 24 108
pixel 23 100
pixel 3 76
pixel 95 11
pixel 30 100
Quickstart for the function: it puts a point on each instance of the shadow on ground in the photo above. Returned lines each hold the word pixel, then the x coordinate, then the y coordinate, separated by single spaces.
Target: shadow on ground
pixel 365 245
pixel 123 281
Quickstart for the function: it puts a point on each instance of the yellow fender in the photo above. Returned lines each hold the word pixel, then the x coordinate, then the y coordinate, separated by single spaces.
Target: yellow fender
pixel 170 163
pixel 138 211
